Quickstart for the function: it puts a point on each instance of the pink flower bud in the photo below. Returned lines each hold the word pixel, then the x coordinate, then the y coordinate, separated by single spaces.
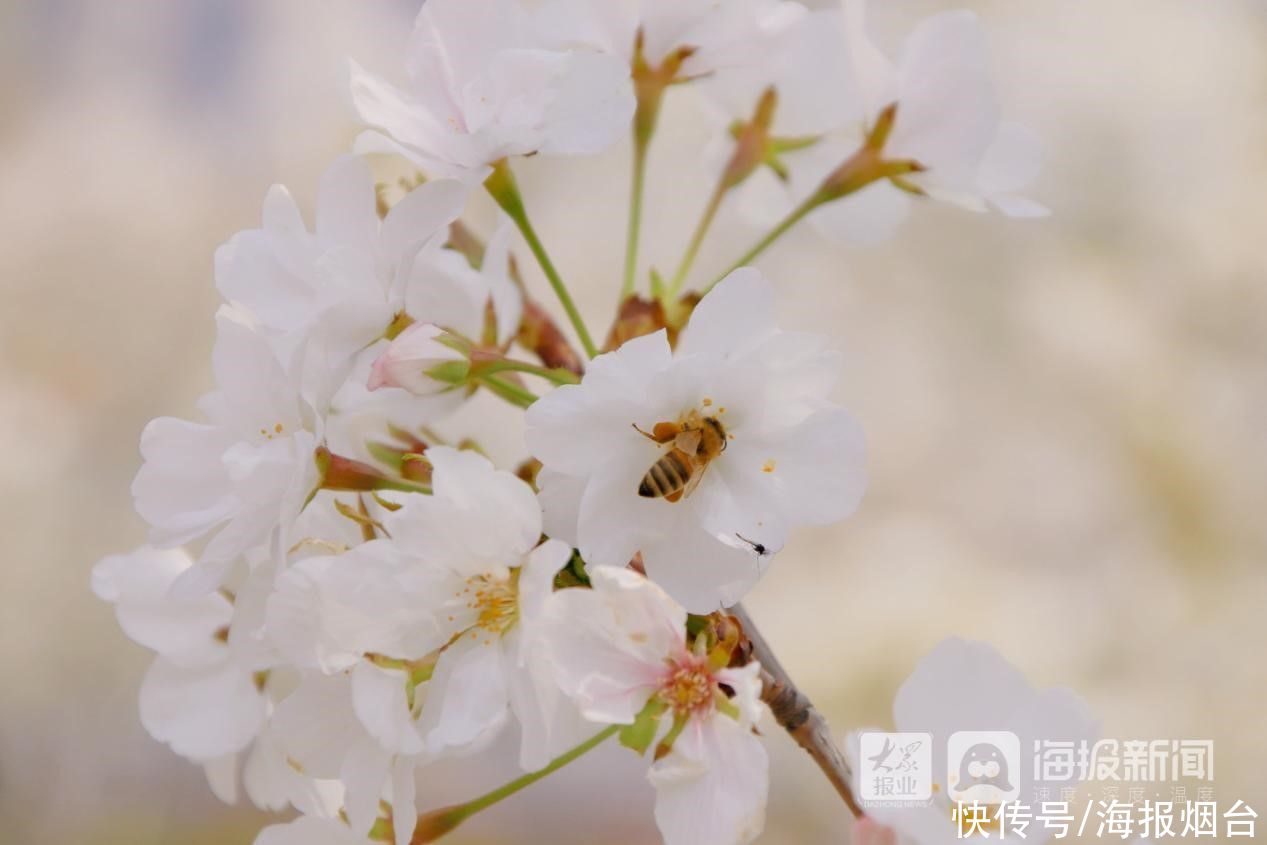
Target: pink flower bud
pixel 424 360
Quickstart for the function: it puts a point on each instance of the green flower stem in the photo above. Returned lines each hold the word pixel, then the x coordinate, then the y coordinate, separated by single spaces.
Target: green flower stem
pixel 865 166
pixel 512 393
pixel 557 375
pixel 794 217
pixel 697 238
pixel 753 147
pixel 501 185
pixel 634 233
pixel 433 825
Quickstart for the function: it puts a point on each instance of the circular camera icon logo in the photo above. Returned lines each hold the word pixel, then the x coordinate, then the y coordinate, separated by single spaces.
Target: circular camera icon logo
pixel 983 767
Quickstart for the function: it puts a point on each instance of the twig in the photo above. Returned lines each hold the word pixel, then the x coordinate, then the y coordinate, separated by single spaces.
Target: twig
pixel 797 714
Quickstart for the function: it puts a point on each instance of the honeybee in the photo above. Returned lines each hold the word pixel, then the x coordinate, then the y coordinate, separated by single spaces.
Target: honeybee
pixel 697 440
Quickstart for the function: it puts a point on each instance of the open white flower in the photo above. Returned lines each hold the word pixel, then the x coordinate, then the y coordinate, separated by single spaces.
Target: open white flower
pixel 798 55
pixel 716 36
pixel 245 473
pixel 736 383
pixel 321 728
pixel 485 86
pixel 196 697
pixel 968 686
pixel 620 650
pixel 451 600
pixel 328 293
pixel 947 120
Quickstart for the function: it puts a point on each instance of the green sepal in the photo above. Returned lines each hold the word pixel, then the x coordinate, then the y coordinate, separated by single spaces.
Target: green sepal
pixel 641 733
pixel 666 744
pixel 451 372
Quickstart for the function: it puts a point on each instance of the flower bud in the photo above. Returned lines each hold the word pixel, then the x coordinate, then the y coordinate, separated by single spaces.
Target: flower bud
pixel 424 360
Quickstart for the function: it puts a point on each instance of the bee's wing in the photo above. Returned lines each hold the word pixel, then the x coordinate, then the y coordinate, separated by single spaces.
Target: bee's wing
pixel 688 441
pixel 697 472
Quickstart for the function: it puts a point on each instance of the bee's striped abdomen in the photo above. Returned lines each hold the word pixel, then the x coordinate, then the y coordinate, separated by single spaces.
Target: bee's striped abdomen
pixel 666 476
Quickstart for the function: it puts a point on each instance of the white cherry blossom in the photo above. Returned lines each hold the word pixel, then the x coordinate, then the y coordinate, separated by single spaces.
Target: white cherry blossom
pixel 328 293
pixel 244 474
pixel 195 697
pixel 791 457
pixel 621 647
pixel 968 686
pixel 718 36
pixel 454 592
pixel 485 85
pixel 947 119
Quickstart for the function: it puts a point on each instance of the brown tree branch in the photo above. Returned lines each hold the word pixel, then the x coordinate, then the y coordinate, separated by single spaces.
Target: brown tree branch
pixel 797 714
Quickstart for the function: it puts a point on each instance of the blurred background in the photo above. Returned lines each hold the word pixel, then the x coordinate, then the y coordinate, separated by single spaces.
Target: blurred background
pixel 1066 417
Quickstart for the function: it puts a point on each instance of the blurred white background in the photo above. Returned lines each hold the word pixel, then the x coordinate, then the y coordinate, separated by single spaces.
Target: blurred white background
pixel 1066 418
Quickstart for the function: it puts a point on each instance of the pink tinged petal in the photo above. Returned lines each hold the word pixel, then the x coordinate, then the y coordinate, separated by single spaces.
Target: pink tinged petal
pixel 382 706
pixel 467 700
pixel 183 631
pixel 713 790
pixel 736 315
pixel 608 644
pixel 867 831
pixel 202 712
pixel 347 205
pixel 408 358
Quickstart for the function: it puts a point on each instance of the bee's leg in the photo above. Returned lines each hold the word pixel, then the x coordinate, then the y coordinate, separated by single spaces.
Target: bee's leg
pixel 659 433
pixel 663 432
pixel 674 496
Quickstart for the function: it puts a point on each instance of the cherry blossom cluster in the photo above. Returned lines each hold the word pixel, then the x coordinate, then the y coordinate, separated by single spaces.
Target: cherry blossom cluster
pixel 338 597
